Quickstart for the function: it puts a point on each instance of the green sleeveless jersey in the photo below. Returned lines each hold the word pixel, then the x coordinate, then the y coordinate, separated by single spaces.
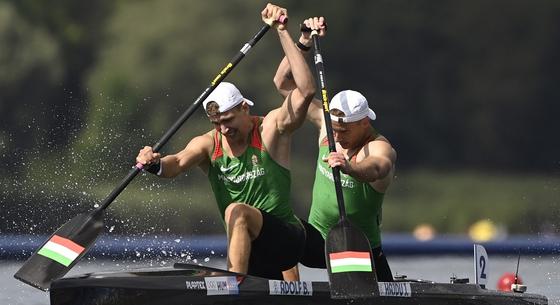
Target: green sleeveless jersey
pixel 253 178
pixel 362 202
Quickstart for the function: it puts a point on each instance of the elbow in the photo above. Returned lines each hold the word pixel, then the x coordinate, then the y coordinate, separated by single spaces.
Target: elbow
pixel 281 86
pixel 308 92
pixel 278 82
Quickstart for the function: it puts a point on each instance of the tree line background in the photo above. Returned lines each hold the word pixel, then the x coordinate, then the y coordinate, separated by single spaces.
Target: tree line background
pixel 466 92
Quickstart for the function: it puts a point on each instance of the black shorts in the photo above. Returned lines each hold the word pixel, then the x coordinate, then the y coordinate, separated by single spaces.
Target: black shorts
pixel 314 254
pixel 278 247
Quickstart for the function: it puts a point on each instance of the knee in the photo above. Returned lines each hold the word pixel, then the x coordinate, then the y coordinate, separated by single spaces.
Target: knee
pixel 245 216
pixel 237 214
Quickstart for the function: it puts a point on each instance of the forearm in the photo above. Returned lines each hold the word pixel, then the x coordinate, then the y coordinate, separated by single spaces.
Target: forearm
pixel 294 63
pixel 170 166
pixel 284 80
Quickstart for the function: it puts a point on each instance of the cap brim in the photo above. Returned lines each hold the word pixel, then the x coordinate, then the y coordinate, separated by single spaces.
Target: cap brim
pixel 371 115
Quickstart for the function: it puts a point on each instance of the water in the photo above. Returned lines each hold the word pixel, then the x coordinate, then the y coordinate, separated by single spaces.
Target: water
pixel 540 274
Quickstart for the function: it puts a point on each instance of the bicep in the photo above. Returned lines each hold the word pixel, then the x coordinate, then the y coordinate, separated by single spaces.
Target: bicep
pixel 315 113
pixel 195 153
pixel 381 156
pixel 383 165
pixel 293 111
pixel 283 79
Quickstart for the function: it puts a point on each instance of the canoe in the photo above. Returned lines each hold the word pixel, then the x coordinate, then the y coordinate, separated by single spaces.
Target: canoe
pixel 197 285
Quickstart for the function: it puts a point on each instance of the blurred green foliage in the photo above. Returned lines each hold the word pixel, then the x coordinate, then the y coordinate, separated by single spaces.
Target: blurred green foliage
pixel 449 201
pixel 458 86
pixel 453 200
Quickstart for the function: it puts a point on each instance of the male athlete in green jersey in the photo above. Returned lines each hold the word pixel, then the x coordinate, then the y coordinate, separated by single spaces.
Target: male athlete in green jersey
pixel 365 157
pixel 247 160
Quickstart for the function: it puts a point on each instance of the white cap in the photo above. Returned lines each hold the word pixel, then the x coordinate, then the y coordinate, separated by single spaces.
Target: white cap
pixel 227 96
pixel 353 104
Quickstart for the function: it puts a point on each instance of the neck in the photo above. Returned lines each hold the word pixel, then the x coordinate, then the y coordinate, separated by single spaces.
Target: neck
pixel 369 134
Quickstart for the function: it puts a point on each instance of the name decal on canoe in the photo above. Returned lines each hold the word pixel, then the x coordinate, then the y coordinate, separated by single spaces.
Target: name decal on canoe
pixel 221 285
pixel 195 285
pixel 302 288
pixel 350 261
pixel 394 289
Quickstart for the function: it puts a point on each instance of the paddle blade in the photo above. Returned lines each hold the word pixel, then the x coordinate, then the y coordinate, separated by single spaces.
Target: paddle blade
pixel 61 251
pixel 350 263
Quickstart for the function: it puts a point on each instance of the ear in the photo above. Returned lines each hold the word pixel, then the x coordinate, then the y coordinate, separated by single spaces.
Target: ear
pixel 245 107
pixel 365 122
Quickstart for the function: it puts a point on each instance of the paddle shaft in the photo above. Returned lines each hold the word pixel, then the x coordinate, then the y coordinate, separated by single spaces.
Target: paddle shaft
pixel 318 58
pixel 344 238
pixel 173 129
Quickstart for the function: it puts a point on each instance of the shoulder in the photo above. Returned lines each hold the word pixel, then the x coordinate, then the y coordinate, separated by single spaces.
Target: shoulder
pixel 203 142
pixel 270 122
pixel 315 114
pixel 379 147
pixel 207 137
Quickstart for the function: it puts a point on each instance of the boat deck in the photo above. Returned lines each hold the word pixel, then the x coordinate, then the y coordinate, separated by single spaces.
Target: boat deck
pixel 192 284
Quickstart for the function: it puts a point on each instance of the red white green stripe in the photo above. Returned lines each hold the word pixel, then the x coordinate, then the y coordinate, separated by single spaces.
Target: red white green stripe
pixel 61 250
pixel 350 261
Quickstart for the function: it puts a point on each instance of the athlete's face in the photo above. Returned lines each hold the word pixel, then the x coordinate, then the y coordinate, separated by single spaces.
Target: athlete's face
pixel 348 135
pixel 228 123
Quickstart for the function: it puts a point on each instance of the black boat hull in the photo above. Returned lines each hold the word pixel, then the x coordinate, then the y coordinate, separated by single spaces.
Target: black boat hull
pixel 189 284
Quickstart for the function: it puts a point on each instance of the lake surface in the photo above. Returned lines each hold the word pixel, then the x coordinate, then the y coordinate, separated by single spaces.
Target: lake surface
pixel 541 274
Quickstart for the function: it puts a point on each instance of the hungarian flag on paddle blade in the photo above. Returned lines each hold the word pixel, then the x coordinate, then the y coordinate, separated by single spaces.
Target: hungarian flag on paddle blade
pixel 350 261
pixel 61 250
pixel 350 266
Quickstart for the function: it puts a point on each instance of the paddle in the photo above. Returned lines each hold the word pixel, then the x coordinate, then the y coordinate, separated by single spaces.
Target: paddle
pixel 70 242
pixel 348 253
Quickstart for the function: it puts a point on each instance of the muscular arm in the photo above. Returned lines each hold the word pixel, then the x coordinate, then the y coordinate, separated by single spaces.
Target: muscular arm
pixel 377 163
pixel 294 108
pixel 284 82
pixel 194 154
pixel 378 160
pixel 283 79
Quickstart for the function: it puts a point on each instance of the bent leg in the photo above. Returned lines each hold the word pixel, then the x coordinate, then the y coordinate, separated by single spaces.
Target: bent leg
pixel 314 255
pixel 291 275
pixel 278 247
pixel 243 224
